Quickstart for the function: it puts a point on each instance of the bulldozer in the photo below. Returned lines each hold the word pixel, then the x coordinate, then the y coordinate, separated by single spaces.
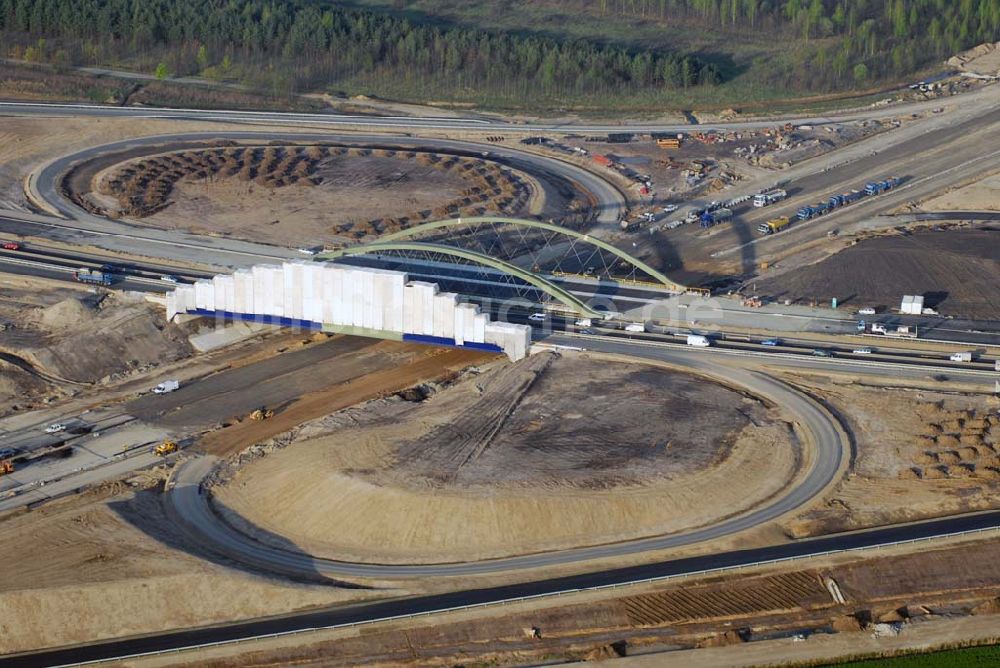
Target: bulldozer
pixel 6 466
pixel 261 414
pixel 165 448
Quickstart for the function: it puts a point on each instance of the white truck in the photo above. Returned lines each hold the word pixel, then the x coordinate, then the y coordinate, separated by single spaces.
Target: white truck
pixel 166 386
pixel 635 327
pixel 961 357
pixel 698 341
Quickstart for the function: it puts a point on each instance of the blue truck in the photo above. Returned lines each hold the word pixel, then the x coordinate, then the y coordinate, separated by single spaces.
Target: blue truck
pixel 93 276
pixel 710 218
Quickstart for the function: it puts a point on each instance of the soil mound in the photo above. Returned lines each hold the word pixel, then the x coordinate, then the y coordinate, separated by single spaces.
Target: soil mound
pixel 63 315
pixel 105 342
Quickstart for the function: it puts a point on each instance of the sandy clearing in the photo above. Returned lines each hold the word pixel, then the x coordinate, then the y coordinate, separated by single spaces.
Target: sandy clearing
pixel 77 570
pixel 920 454
pixel 983 195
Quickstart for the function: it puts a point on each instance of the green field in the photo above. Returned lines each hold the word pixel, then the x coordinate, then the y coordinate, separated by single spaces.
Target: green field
pixel 969 657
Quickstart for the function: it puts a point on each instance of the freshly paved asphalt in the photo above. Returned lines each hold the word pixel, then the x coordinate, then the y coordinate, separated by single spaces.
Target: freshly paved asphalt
pixel 353 614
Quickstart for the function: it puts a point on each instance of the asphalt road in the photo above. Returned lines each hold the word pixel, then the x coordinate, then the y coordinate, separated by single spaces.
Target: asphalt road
pixel 822 433
pixel 447 123
pixel 370 612
pixel 213 251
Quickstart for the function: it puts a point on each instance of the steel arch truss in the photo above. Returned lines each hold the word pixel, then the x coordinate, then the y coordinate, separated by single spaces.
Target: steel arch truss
pixel 537 246
pixel 512 276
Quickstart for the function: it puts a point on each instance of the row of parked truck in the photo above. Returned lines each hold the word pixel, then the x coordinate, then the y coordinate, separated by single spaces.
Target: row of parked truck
pixel 814 210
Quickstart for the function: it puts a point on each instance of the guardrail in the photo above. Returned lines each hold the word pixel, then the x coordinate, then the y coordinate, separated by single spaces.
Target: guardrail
pixel 535 597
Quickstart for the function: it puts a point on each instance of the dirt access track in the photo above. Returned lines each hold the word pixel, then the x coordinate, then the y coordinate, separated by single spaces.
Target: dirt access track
pixel 301 384
pixel 536 456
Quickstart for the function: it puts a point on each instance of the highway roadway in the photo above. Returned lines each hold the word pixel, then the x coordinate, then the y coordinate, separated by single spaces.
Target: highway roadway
pixel 410 123
pixel 347 615
pixel 44 187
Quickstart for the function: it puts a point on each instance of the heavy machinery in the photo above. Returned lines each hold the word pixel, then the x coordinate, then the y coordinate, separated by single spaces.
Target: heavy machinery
pixel 261 414
pixel 774 225
pixel 165 448
pixel 6 466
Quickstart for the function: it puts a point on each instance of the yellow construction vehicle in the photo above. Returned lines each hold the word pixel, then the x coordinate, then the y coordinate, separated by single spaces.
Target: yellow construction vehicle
pixel 261 414
pixel 6 466
pixel 165 448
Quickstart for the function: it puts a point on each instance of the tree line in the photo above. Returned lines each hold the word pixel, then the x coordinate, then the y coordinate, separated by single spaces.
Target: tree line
pixel 857 40
pixel 299 45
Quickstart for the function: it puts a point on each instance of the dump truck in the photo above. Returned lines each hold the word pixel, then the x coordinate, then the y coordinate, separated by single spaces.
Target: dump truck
pixel 165 448
pixel 6 466
pixel 719 215
pixel 261 414
pixel 93 276
pixel 698 341
pixel 774 225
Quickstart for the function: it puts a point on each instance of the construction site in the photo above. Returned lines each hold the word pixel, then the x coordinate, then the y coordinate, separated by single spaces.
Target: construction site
pixel 260 402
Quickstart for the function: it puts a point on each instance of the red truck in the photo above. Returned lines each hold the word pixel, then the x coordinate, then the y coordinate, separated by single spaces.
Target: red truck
pixel 11 245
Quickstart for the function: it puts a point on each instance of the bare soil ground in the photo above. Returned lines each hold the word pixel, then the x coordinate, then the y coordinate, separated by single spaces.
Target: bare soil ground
pixel 339 193
pixel 77 571
pixel 512 460
pixel 55 338
pixel 984 195
pixel 955 268
pixel 920 454
pixel 928 594
pixel 95 338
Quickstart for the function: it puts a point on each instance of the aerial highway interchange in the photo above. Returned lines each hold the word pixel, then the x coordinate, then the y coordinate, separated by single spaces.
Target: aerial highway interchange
pixel 942 152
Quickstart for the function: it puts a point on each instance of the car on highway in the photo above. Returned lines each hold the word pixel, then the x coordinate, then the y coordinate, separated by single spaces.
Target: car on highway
pixel 868 310
pixel 11 245
pixel 771 342
pixel 167 278
pixel 670 208
pixel 7 453
pixel 587 331
pixel 820 352
pixel 538 317
pixel 862 351
pixel 312 250
pixel 55 428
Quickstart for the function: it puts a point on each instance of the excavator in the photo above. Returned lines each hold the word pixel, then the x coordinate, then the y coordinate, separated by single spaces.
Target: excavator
pixel 165 448
pixel 261 414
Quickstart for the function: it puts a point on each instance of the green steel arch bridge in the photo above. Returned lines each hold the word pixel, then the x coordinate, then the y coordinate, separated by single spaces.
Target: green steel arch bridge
pixel 526 252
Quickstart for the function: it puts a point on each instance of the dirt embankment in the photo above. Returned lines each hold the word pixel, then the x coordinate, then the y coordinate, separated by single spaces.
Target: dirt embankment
pixel 95 339
pixel 542 454
pixel 955 268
